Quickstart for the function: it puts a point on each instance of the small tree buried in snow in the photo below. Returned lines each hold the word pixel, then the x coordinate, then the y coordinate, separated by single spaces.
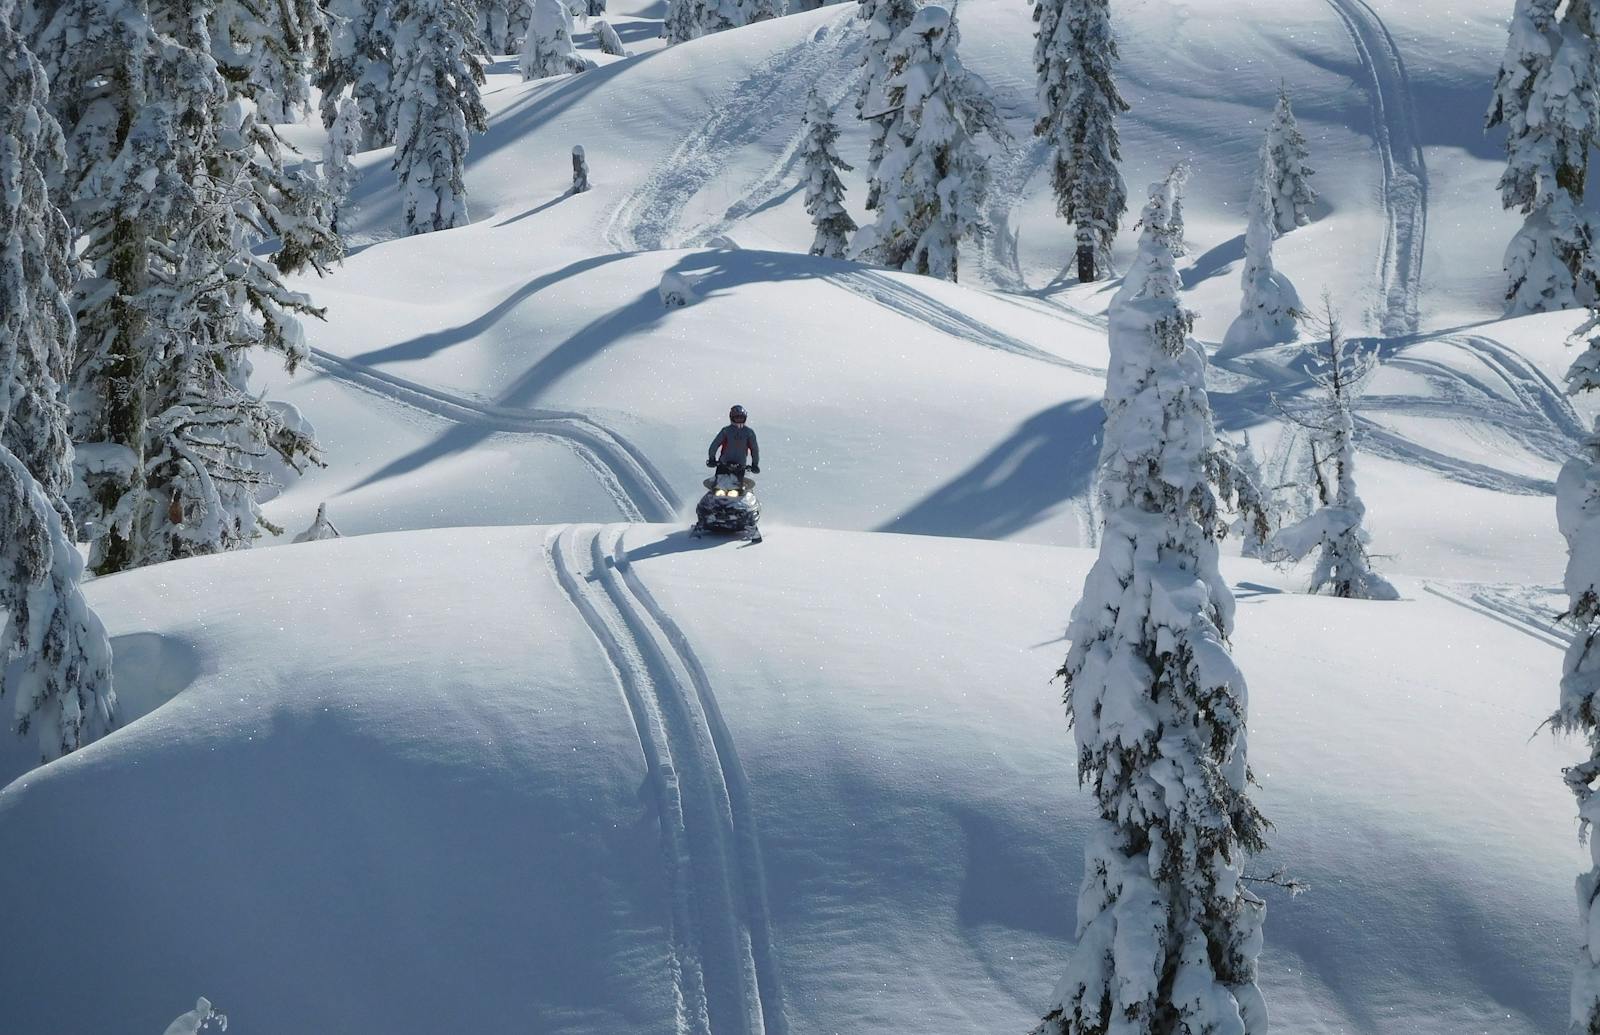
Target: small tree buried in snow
pixel 820 162
pixel 580 170
pixel 933 175
pixel 437 74
pixel 1269 307
pixel 55 658
pixel 1283 163
pixel 1547 96
pixel 549 50
pixel 1078 105
pixel 203 1018
pixel 1335 531
pixel 321 528
pixel 1167 933
pixel 1578 514
pixel 610 42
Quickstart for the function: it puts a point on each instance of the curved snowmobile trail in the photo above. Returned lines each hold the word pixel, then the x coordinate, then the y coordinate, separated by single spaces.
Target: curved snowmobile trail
pixel 648 218
pixel 723 958
pixel 641 492
pixel 1405 177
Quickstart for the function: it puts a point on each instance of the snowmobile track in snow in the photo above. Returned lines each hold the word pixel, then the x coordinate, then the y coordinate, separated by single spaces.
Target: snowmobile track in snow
pixel 1405 177
pixel 639 489
pixel 649 217
pixel 725 970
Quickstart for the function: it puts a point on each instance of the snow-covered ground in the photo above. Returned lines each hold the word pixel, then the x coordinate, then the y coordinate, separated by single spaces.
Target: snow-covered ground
pixel 496 769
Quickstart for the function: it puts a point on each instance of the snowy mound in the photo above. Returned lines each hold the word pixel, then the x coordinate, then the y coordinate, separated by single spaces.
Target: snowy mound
pixel 610 779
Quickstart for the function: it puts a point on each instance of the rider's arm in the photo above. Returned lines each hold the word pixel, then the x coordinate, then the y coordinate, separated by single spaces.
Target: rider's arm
pixel 755 450
pixel 716 443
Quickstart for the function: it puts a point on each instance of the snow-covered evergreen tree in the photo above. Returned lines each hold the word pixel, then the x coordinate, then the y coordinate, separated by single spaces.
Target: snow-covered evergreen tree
pixel 1336 530
pixel 934 177
pixel 1547 96
pixel 503 24
pixel 1167 933
pixel 1578 514
pixel 361 60
pixel 268 50
pixel 1079 104
pixel 55 657
pixel 1253 502
pixel 1284 159
pixel 1270 307
pixel 1172 187
pixel 691 19
pixel 886 20
pixel 548 49
pixel 610 42
pixel 437 74
pixel 344 141
pixel 820 162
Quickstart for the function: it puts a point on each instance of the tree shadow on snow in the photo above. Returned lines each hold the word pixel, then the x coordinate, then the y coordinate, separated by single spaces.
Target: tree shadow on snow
pixel 1212 263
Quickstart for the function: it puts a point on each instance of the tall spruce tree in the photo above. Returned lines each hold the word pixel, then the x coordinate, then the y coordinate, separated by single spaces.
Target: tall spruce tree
pixel 437 74
pixel 1284 158
pixel 55 657
pixel 1578 711
pixel 503 24
pixel 1547 96
pixel 1078 103
pixel 820 165
pixel 933 175
pixel 361 60
pixel 885 21
pixel 1167 933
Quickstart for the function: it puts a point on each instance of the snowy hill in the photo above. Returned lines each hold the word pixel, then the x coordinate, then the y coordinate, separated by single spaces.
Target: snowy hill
pixel 413 782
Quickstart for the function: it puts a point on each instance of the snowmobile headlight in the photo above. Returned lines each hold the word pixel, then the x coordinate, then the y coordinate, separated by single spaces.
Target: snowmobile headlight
pixel 733 492
pixel 720 492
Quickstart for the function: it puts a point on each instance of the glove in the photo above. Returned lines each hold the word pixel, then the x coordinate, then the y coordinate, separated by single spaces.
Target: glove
pixel 711 463
pixel 755 468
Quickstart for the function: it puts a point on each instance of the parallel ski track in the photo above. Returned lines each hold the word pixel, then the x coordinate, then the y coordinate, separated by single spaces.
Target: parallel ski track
pixel 649 217
pixel 1405 177
pixel 641 492
pixel 1496 607
pixel 724 966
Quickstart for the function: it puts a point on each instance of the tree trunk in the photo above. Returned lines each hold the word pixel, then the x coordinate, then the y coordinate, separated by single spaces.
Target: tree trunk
pixel 1086 269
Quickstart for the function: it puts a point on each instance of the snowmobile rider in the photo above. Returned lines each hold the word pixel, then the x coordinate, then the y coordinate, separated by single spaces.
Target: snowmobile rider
pixel 734 442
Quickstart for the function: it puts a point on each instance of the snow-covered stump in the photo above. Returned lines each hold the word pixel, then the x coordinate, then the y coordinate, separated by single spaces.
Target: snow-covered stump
pixel 1168 934
pixel 1336 530
pixel 676 291
pixel 820 167
pixel 1547 96
pixel 1078 104
pixel 610 42
pixel 549 50
pixel 1269 307
pixel 1578 711
pixel 580 170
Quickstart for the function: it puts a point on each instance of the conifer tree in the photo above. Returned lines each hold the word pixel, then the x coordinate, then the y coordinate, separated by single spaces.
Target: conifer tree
pixel 934 178
pixel 819 156
pixel 1167 933
pixel 1578 514
pixel 1284 157
pixel 267 50
pixel 1547 96
pixel 503 24
pixel 1172 187
pixel 1269 306
pixel 1079 104
pixel 610 42
pixel 437 74
pixel 548 49
pixel 55 657
pixel 1336 530
pixel 886 20
pixel 691 19
pixel 344 141
pixel 361 60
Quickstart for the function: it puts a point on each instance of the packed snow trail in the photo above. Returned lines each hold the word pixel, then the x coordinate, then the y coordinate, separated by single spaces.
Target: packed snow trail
pixel 1504 604
pixel 1405 177
pixel 641 492
pixel 723 954
pixel 648 218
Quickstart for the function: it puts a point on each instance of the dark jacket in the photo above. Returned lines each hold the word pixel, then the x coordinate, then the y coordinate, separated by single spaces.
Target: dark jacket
pixel 733 442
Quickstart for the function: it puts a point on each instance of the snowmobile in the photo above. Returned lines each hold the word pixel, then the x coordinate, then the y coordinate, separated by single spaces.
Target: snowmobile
pixel 729 506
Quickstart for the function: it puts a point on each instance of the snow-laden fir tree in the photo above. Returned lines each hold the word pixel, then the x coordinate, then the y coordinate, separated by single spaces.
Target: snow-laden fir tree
pixel 437 74
pixel 886 20
pixel 691 19
pixel 1073 55
pixel 1578 514
pixel 1172 187
pixel 1269 308
pixel 1335 531
pixel 55 657
pixel 1256 510
pixel 503 24
pixel 1167 932
pixel 820 164
pixel 548 49
pixel 344 141
pixel 610 42
pixel 1547 96
pixel 1284 158
pixel 933 174
pixel 268 51
pixel 361 60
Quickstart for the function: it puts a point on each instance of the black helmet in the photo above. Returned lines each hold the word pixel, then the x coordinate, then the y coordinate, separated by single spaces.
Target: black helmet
pixel 737 415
